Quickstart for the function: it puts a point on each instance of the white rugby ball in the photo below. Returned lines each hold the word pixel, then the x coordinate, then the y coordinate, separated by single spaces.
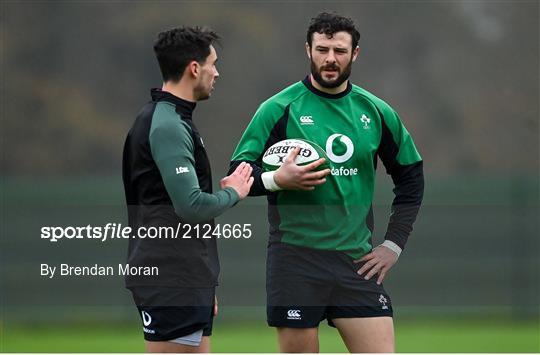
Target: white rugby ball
pixel 275 156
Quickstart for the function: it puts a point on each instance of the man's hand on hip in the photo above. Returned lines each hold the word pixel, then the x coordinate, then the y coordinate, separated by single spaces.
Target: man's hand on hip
pixel 378 261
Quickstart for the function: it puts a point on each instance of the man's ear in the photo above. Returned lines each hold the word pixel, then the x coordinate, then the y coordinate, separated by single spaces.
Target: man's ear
pixel 308 50
pixel 193 69
pixel 355 53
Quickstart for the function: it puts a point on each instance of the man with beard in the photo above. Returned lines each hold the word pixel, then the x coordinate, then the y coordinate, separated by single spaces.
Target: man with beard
pixel 168 186
pixel 321 263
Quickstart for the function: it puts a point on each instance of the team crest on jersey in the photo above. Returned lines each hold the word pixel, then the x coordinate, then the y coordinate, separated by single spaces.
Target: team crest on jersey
pixel 366 121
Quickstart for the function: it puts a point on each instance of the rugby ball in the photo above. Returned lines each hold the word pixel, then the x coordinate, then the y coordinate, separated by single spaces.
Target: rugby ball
pixel 275 156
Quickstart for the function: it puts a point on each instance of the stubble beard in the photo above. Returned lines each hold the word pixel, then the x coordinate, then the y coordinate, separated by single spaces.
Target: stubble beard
pixel 201 93
pixel 316 73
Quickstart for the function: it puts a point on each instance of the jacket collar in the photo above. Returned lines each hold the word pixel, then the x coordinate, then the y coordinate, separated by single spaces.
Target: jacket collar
pixel 183 107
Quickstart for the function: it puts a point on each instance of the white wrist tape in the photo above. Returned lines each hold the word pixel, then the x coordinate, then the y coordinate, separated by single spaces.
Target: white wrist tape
pixel 269 182
pixel 392 246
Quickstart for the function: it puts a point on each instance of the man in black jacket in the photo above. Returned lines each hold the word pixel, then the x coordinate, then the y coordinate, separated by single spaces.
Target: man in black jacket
pixel 168 187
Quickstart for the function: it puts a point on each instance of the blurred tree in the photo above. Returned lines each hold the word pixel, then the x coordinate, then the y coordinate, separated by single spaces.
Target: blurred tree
pixel 463 76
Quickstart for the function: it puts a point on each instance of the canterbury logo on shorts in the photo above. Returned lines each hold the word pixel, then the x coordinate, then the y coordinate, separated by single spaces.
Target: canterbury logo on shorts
pixel 293 314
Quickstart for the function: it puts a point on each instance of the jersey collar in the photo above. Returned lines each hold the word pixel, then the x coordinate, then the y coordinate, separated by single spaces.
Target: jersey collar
pixel 183 107
pixel 313 89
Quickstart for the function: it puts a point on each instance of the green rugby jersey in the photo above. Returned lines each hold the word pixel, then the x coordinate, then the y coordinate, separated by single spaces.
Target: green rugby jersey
pixel 354 127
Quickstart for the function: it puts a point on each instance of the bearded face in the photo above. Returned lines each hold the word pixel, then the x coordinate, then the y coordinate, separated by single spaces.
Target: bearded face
pixel 330 75
pixel 331 58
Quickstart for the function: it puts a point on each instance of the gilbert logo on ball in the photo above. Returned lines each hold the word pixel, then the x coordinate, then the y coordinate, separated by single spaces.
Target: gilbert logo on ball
pixel 275 156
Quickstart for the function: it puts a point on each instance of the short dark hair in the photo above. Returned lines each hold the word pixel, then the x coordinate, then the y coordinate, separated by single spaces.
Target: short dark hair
pixel 330 23
pixel 177 47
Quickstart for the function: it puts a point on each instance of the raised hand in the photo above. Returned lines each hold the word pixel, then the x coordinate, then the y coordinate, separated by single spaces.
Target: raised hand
pixel 240 180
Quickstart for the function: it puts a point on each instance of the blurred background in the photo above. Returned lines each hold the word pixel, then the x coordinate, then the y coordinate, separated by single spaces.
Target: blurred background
pixel 463 75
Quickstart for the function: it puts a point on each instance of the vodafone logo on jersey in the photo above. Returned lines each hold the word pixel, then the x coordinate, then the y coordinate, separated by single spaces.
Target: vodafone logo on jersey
pixel 344 141
pixel 339 149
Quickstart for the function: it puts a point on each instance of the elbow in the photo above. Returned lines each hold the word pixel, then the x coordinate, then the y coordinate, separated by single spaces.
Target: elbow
pixel 187 215
pixel 409 184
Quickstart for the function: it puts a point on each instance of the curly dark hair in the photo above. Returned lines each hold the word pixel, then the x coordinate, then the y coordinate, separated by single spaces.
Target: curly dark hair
pixel 177 47
pixel 330 23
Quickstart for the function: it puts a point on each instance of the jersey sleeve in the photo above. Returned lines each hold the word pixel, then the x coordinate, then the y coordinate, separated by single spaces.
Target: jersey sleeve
pixel 172 149
pixel 266 126
pixel 404 164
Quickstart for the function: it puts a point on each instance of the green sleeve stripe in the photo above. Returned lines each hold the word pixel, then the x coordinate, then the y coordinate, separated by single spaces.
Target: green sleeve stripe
pixel 407 152
pixel 172 148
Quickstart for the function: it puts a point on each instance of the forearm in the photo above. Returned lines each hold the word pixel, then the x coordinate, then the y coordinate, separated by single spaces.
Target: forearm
pixel 258 188
pixel 409 191
pixel 173 152
pixel 190 203
pixel 199 206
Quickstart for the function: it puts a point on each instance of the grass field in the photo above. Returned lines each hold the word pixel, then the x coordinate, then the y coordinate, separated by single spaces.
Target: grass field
pixel 453 278
pixel 411 336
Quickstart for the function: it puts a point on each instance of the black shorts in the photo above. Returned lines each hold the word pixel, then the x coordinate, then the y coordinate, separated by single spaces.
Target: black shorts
pixel 305 286
pixel 168 313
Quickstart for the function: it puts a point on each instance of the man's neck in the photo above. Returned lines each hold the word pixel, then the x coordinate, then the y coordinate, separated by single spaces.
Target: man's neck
pixel 179 90
pixel 332 91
